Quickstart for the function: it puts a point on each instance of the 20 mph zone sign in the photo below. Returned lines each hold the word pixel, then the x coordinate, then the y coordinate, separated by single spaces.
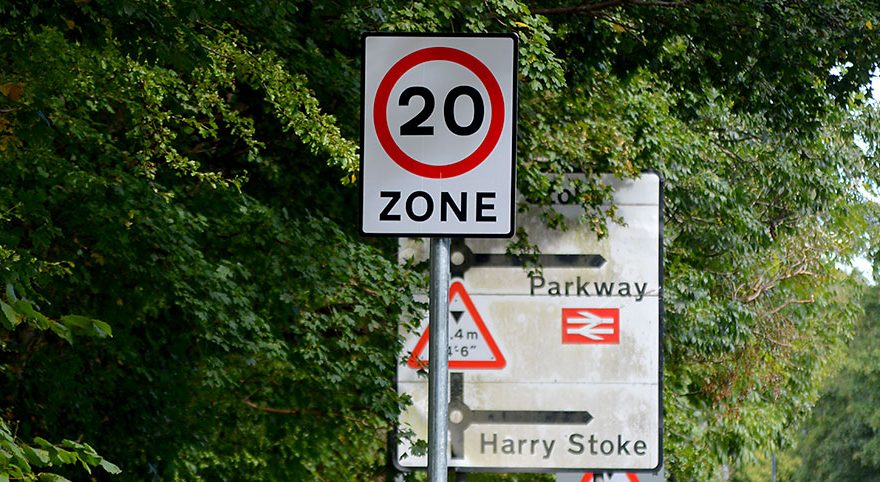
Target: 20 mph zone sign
pixel 558 369
pixel 438 135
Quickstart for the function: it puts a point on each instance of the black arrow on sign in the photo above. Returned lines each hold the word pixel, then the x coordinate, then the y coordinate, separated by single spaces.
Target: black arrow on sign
pixel 461 416
pixel 462 259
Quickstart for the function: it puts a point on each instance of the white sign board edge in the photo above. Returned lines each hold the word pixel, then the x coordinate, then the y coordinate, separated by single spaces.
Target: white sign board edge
pixel 658 476
pixel 628 413
pixel 625 404
pixel 496 175
pixel 633 197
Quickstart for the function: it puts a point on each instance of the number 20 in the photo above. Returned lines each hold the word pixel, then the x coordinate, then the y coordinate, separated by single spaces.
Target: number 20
pixel 414 127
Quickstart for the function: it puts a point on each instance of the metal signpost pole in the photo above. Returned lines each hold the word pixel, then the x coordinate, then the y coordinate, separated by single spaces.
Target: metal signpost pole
pixel 438 175
pixel 438 360
pixel 773 467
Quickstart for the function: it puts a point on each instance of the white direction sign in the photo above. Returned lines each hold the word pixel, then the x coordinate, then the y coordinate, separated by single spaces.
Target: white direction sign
pixel 438 135
pixel 579 385
pixel 612 477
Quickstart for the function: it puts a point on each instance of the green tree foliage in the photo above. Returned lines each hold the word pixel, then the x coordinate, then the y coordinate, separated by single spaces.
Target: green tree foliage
pixel 842 435
pixel 182 171
pixel 172 179
pixel 40 460
pixel 761 467
pixel 36 462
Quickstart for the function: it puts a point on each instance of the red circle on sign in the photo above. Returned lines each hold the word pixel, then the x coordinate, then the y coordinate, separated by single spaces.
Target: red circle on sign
pixel 496 108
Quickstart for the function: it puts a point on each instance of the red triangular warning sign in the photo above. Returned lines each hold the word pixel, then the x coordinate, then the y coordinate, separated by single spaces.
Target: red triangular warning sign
pixel 471 346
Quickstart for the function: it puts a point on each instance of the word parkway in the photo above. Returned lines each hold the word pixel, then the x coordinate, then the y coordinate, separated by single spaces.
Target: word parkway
pixel 576 287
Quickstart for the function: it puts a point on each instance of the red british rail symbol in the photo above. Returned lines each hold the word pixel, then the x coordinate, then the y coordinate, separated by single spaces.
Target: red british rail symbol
pixel 588 326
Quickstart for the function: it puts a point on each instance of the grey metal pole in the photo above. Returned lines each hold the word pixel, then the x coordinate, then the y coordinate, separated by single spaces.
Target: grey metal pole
pixel 438 360
pixel 773 467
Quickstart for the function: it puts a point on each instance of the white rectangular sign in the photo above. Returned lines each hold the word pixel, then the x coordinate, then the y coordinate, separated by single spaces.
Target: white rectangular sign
pixel 558 369
pixel 438 135
pixel 612 477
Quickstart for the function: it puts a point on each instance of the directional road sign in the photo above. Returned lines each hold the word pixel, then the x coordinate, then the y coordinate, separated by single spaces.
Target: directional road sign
pixel 612 477
pixel 581 385
pixel 438 135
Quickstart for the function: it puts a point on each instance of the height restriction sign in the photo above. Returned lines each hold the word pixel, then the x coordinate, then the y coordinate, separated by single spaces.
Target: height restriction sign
pixel 438 138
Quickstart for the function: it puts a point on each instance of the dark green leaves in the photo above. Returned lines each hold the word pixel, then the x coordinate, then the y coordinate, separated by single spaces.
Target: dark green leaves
pixel 87 326
pixel 34 462
pixel 172 170
pixel 9 316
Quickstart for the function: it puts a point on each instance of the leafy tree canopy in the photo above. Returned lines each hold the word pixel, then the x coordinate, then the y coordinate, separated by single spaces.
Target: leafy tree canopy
pixel 179 174
pixel 842 435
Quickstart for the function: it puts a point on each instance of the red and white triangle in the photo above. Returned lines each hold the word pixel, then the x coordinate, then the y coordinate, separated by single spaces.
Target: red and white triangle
pixel 471 344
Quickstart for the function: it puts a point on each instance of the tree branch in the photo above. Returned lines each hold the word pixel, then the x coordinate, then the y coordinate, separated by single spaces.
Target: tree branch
pixel 660 3
pixel 279 411
pixel 588 8
pixel 359 421
pixel 594 8
pixel 788 303
pixel 760 287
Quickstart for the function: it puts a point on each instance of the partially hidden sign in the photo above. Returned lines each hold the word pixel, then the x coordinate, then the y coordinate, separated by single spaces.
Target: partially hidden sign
pixel 658 476
pixel 471 345
pixel 580 387
pixel 438 135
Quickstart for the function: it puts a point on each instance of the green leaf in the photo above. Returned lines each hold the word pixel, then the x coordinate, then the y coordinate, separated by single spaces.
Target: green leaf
pixel 18 458
pixel 89 456
pixel 16 473
pixel 62 456
pixel 27 309
pixel 10 292
pixel 85 465
pixel 9 318
pixel 62 331
pixel 38 457
pixel 43 443
pixel 67 443
pixel 77 321
pixel 88 326
pixel 102 328
pixel 110 468
pixel 48 477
